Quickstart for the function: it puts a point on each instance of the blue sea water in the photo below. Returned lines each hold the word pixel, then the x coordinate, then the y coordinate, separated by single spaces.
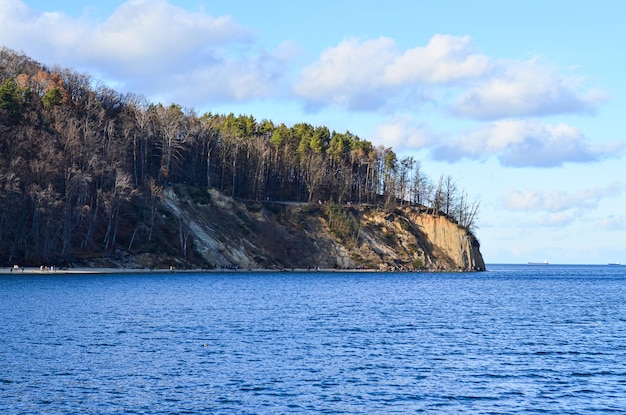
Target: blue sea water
pixel 517 339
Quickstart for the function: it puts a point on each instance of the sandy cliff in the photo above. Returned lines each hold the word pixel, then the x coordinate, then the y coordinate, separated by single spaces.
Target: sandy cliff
pixel 412 238
pixel 222 232
pixel 452 241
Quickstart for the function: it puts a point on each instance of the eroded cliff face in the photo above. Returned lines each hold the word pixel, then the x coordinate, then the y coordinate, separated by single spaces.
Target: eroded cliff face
pixel 222 232
pixel 456 245
pixel 410 238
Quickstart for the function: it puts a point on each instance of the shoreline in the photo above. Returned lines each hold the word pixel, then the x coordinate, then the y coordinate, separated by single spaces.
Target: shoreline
pixel 104 271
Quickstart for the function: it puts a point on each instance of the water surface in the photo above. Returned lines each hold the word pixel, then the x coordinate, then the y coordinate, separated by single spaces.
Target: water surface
pixel 515 339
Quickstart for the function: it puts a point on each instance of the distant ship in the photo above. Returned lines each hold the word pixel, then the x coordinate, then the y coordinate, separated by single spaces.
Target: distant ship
pixel 614 263
pixel 538 263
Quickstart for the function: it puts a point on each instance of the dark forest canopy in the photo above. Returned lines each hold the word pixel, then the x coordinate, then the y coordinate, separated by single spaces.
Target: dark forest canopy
pixel 82 166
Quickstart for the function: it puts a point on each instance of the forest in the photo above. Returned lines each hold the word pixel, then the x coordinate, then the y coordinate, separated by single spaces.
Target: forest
pixel 83 167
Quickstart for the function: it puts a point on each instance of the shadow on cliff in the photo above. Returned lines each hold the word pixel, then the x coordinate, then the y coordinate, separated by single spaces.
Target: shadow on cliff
pixel 216 231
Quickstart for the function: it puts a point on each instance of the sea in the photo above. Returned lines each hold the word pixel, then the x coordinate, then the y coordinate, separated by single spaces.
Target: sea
pixel 517 339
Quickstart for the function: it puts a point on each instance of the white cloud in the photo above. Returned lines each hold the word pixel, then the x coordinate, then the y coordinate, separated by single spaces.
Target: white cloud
pixel 517 89
pixel 24 28
pixel 143 34
pixel 445 59
pixel 401 134
pixel 374 74
pixel 229 80
pixel 526 143
pixel 349 75
pixel 151 46
pixel 558 202
pixel 367 74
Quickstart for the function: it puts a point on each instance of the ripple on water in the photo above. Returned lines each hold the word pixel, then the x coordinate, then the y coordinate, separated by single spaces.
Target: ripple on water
pixel 322 343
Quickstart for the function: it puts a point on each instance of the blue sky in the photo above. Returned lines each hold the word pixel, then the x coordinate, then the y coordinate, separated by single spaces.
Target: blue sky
pixel 523 103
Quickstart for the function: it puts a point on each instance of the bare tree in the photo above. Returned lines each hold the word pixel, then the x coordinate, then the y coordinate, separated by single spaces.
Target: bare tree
pixel 448 195
pixel 467 212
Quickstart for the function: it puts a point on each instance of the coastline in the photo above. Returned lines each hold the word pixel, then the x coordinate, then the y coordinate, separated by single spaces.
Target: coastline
pixel 104 271
pixel 114 271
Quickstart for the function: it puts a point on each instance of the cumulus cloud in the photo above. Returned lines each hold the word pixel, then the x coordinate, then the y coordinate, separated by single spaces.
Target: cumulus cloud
pixel 373 74
pixel 142 34
pixel 228 80
pixel 556 202
pixel 149 46
pixel 367 74
pixel 402 134
pixel 445 59
pixel 349 75
pixel 24 28
pixel 518 89
pixel 526 143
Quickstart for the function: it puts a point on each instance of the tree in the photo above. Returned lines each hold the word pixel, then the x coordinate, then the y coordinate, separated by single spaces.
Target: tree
pixel 467 212
pixel 279 136
pixel 172 125
pixel 315 170
pixel 320 139
pixel 52 98
pixel 406 165
pixel 11 99
pixel 389 173
pixel 448 195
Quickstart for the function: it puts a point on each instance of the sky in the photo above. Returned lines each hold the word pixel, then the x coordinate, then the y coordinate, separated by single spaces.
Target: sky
pixel 521 102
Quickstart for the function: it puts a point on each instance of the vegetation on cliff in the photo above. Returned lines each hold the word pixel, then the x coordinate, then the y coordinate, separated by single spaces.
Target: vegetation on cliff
pixel 84 169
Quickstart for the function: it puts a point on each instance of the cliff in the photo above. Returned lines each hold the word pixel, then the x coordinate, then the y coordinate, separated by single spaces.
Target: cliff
pixel 217 231
pixel 452 243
